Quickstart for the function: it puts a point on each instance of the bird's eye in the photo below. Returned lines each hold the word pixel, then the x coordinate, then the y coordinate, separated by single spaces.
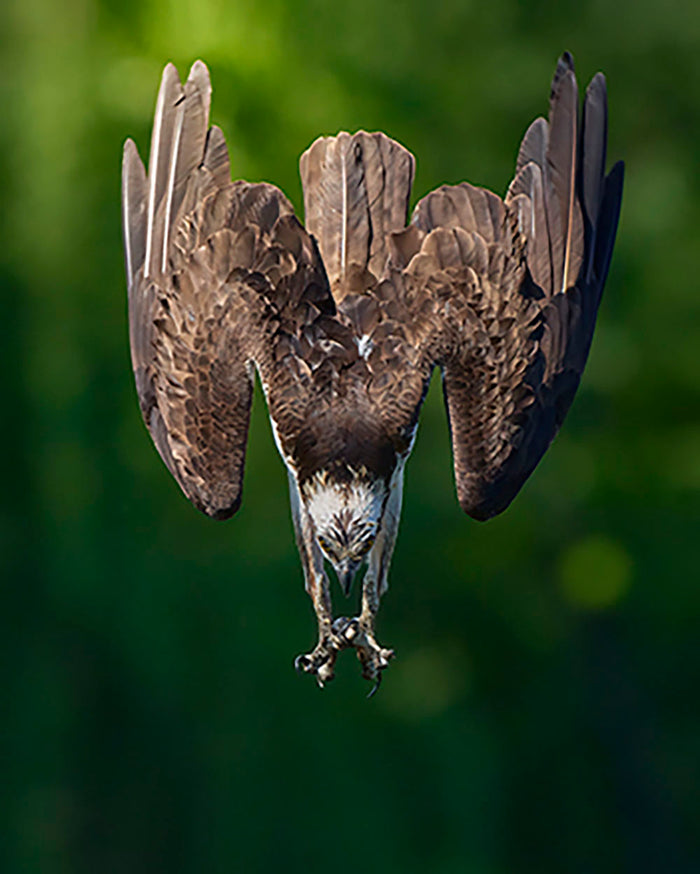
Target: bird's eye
pixel 368 544
pixel 323 543
pixel 363 549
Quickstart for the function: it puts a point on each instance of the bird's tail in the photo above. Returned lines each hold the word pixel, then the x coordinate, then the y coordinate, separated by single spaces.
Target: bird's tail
pixel 356 193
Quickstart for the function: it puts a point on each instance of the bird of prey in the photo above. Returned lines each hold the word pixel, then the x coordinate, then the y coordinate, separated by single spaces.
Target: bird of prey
pixel 345 317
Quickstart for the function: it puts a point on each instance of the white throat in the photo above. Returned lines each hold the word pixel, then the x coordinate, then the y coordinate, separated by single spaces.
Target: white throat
pixel 328 501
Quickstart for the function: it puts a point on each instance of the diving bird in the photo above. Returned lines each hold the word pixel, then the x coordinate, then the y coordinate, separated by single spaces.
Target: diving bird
pixel 345 317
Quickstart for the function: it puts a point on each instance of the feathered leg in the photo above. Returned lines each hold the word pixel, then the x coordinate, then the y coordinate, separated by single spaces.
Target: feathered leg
pixel 321 660
pixel 375 658
pixel 346 633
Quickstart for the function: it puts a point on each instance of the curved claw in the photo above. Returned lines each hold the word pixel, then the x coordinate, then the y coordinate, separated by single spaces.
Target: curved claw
pixel 320 661
pixel 346 633
pixel 301 664
pixel 375 659
pixel 377 683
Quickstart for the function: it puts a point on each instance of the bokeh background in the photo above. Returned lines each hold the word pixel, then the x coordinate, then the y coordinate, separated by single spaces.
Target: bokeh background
pixel 543 712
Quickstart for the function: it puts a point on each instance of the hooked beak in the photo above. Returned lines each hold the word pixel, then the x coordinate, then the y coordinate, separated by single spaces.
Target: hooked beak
pixel 345 571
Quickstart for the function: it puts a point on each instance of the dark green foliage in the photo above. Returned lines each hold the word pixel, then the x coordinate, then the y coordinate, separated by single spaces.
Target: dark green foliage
pixel 542 714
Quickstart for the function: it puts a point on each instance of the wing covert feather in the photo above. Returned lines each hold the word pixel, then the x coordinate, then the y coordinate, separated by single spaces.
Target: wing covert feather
pixel 217 273
pixel 516 292
pixel 502 294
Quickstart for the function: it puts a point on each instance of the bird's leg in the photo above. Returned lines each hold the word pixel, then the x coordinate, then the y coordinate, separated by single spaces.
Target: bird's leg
pixel 321 660
pixel 373 657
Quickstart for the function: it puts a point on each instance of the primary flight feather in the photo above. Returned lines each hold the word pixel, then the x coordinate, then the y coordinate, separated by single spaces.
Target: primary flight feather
pixel 345 319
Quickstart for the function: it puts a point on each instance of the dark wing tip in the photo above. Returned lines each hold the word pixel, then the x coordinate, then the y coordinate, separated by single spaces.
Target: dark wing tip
pixel 220 513
pixel 598 82
pixel 496 450
pixel 216 507
pixel 566 61
pixel 610 208
pixel 618 169
pixel 564 71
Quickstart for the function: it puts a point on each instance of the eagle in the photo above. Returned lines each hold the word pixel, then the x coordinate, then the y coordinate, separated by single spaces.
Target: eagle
pixel 345 317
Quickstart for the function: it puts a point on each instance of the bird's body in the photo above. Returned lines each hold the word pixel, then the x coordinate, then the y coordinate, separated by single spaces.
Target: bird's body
pixel 344 321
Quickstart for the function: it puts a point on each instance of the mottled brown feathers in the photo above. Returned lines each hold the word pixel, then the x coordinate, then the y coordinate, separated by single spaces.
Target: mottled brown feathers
pixel 345 320
pixel 218 273
pixel 356 192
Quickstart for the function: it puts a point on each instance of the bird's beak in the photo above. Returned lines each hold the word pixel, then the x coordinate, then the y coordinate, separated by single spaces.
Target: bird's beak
pixel 345 571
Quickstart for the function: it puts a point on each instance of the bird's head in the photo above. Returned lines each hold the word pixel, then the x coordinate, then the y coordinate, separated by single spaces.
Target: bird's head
pixel 346 514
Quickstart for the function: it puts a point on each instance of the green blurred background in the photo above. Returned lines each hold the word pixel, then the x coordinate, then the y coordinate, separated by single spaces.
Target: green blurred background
pixel 543 713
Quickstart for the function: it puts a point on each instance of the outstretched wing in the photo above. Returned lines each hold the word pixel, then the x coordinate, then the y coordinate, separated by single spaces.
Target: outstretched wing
pixel 220 276
pixel 510 290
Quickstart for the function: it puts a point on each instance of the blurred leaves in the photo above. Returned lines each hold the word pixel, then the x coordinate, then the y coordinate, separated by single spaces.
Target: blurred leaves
pixel 595 573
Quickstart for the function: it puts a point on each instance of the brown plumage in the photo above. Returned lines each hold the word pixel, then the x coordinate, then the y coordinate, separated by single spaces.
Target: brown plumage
pixel 344 321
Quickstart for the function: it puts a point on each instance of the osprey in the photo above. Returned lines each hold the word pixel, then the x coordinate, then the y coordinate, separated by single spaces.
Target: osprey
pixel 345 317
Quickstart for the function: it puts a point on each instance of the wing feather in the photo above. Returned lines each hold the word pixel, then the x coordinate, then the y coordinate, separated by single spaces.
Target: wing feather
pixel 134 198
pixel 562 154
pixel 592 173
pixel 534 145
pixel 217 272
pixel 510 291
pixel 608 218
pixel 216 158
pixel 501 294
pixel 164 123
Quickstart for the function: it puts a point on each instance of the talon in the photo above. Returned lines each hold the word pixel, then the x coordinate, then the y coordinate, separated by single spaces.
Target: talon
pixel 320 661
pixel 374 660
pixel 325 674
pixel 346 633
pixel 377 684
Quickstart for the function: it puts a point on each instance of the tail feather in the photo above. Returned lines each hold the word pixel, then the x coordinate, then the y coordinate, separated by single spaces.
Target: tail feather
pixel 356 192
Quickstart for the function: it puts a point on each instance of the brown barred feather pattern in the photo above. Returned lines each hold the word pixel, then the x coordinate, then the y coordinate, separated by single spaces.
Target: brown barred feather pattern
pixel 345 319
